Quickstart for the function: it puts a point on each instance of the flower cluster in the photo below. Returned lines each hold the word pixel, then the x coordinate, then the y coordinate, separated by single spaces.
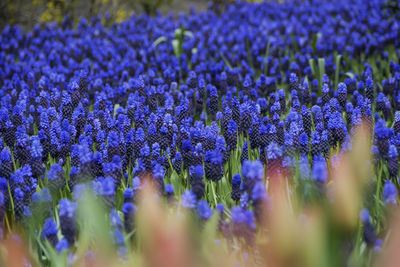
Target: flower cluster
pixel 110 109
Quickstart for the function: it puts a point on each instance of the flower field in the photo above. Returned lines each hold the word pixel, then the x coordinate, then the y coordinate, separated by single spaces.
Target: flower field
pixel 250 134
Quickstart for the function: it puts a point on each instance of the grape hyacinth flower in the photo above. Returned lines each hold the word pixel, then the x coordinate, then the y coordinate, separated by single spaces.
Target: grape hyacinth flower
pixel 129 211
pixel 245 154
pixel 36 157
pixel 188 200
pixel 231 135
pixel 319 171
pixel 67 219
pixel 342 94
pixel 243 224
pixel 196 181
pixel 396 125
pixel 107 191
pixel 204 211
pixel 383 134
pixel 369 232
pixel 213 165
pixel 393 161
pixel 274 158
pixel 259 196
pixel 6 165
pixel 55 177
pixel 18 203
pixel 62 245
pixel 252 172
pixel 170 192
pixel 389 193
pixel 50 231
pixel 177 162
pixel 236 181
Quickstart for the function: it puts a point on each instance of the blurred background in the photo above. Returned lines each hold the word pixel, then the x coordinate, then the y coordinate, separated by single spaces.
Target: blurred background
pixel 28 13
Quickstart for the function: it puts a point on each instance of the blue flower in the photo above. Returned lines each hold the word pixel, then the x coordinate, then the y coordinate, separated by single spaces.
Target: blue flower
pixel 274 151
pixel 117 237
pixel 365 217
pixel 342 88
pixel 108 187
pixel 232 127
pixel 369 83
pixel 304 167
pixel 128 193
pixel 397 116
pixel 187 145
pixel 49 228
pixel 236 180
pixel 244 200
pixel 220 143
pixel 325 88
pixel 62 245
pixel 129 208
pixel 155 150
pixel 214 156
pixel 136 183
pixel 319 171
pixel 27 212
pixel 145 151
pixel 158 171
pixel 242 216
pixel 219 116
pixel 18 176
pixel 203 210
pixel 259 192
pixel 55 172
pixel 115 219
pixel 253 170
pixel 393 151
pixel 67 208
pixel 383 132
pixel 303 139
pixel 263 129
pixel 113 139
pixel 349 107
pixel 276 107
pixel 288 162
pixel 5 155
pixel 140 136
pixel 169 189
pixel 389 192
pixel 197 171
pixel 315 138
pixel 18 194
pixel 188 200
pixel 85 154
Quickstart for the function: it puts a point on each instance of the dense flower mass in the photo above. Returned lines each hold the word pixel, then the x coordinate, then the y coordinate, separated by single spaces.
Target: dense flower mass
pixel 259 92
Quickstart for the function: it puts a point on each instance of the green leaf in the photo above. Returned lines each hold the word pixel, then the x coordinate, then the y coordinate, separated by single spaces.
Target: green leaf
pixel 321 70
pixel 188 33
pixel 175 45
pixel 294 43
pixel 337 70
pixel 158 41
pixel 314 41
pixel 350 74
pixel 225 60
pixel 266 57
pixel 311 62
